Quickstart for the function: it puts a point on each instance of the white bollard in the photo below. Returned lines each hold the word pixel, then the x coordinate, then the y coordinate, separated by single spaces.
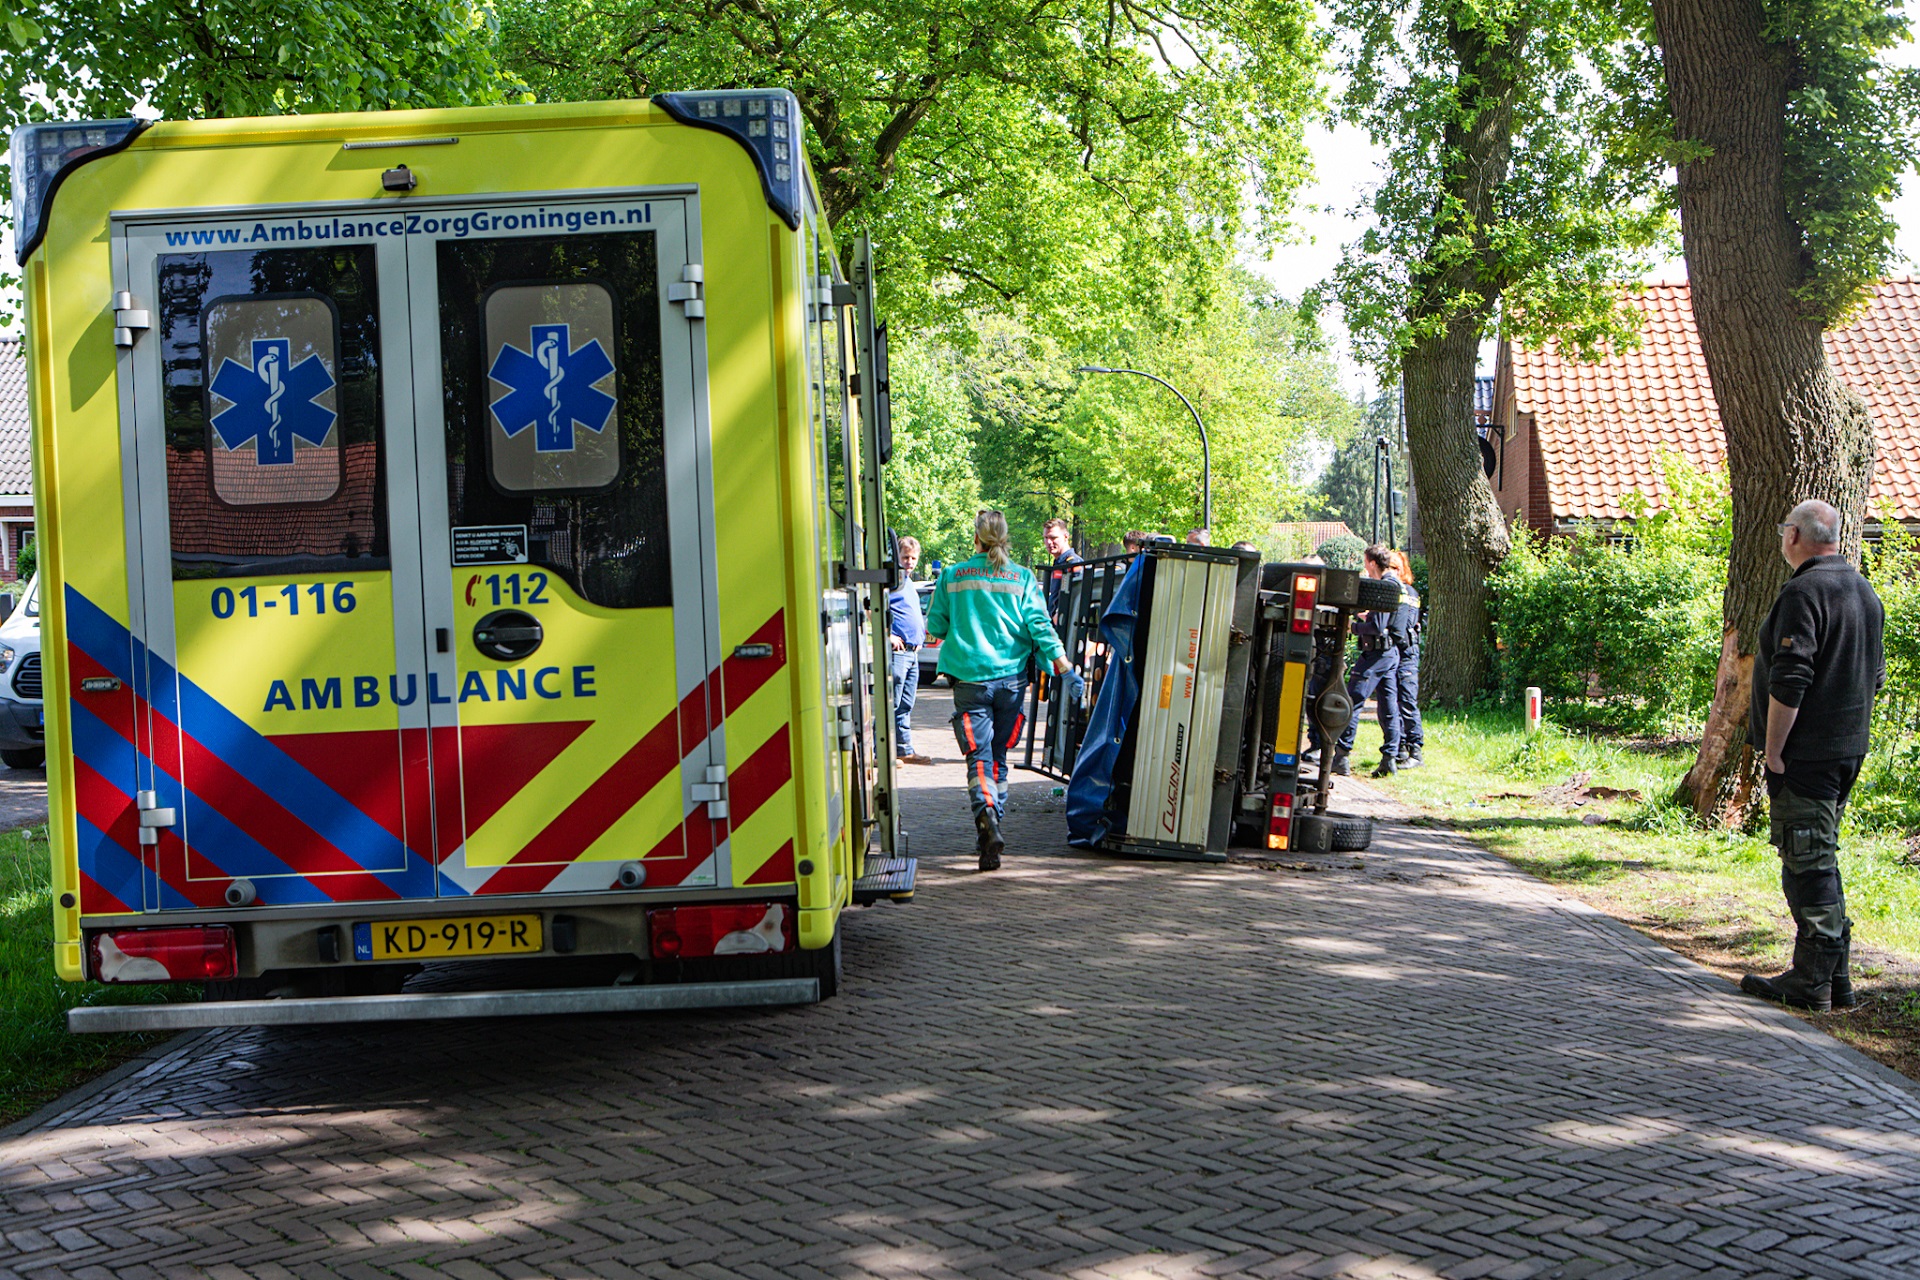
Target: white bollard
pixel 1533 709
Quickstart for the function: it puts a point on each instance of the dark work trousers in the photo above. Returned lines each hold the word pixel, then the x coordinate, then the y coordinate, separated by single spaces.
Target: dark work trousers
pixel 1375 676
pixel 1806 831
pixel 905 669
pixel 987 719
pixel 1413 734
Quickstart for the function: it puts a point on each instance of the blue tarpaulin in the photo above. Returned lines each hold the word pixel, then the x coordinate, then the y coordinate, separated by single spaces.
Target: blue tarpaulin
pixel 1091 789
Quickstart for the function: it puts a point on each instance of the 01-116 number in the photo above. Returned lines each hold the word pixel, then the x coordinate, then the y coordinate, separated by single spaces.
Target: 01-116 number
pixel 227 601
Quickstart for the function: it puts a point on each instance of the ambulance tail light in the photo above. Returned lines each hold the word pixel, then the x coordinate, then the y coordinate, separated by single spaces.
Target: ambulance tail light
pixel 1280 825
pixel 732 929
pixel 1305 587
pixel 184 953
pixel 42 155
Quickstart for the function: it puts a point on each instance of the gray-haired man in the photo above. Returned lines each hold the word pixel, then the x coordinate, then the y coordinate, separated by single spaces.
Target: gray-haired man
pixel 1817 664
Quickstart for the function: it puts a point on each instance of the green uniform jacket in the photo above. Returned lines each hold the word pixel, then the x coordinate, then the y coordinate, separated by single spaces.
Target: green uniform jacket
pixel 990 621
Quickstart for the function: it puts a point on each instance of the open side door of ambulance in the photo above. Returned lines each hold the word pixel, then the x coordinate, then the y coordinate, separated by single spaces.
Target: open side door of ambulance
pixel 421 539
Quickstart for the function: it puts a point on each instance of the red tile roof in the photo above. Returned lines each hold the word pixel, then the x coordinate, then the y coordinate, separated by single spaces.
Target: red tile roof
pixel 1311 533
pixel 1604 426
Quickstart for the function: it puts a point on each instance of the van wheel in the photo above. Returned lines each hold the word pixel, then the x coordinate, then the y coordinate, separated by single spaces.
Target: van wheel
pixel 1377 595
pixel 1332 833
pixel 23 757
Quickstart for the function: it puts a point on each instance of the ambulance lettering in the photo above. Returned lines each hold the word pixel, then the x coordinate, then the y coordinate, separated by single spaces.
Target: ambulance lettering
pixel 508 684
pixel 272 402
pixel 551 388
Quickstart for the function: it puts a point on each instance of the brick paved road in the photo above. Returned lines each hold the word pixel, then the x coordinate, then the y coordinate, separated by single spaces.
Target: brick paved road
pixel 1416 1063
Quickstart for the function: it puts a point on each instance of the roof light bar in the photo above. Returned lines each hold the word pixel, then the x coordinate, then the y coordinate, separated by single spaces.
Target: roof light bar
pixel 764 121
pixel 42 155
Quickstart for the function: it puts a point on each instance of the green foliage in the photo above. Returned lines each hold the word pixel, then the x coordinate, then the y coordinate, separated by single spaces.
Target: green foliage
pixel 933 488
pixel 1852 132
pixel 89 60
pixel 1619 634
pixel 1888 793
pixel 1344 552
pixel 1083 160
pixel 27 562
pixel 38 1059
pixel 1006 421
pixel 1344 490
pixel 1579 209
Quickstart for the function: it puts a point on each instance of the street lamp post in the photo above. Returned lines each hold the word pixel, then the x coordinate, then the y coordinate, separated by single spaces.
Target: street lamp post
pixel 1206 454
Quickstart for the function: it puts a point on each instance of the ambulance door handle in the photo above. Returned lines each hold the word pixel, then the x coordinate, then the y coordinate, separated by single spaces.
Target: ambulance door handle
pixel 442 640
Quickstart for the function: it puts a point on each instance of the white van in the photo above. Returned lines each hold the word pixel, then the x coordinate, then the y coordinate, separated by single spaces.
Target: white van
pixel 22 722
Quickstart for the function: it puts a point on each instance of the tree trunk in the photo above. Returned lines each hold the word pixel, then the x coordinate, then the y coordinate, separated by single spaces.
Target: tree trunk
pixel 1793 431
pixel 1460 520
pixel 1466 537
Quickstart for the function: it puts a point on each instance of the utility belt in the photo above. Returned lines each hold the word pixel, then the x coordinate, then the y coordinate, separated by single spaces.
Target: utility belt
pixel 1374 644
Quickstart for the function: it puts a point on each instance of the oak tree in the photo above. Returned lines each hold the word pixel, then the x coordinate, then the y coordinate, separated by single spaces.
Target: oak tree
pixel 1791 134
pixel 1503 201
pixel 1079 158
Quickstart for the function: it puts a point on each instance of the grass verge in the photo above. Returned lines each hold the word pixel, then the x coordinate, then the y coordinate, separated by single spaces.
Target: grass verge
pixel 1592 815
pixel 39 1060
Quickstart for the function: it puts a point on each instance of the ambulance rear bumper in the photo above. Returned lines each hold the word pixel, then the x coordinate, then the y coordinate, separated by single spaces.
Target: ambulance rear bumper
pixel 298 1012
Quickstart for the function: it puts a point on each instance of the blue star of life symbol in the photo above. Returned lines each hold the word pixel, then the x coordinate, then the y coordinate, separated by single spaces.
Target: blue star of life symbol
pixel 272 402
pixel 551 388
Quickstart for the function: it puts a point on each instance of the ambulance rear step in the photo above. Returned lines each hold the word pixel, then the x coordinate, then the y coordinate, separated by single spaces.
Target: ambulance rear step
pixel 887 880
pixel 297 1012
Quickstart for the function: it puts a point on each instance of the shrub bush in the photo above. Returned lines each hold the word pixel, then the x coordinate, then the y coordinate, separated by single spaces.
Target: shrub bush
pixel 1626 631
pixel 1343 552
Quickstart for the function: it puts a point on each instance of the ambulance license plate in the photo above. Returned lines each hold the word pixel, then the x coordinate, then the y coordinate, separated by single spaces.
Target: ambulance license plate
pixel 455 936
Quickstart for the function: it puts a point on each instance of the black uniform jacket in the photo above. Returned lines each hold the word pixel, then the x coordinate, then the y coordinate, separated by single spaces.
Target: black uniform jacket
pixel 1820 650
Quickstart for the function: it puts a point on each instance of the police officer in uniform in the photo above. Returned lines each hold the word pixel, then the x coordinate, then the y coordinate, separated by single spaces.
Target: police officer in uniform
pixel 1375 674
pixel 1406 635
pixel 1817 664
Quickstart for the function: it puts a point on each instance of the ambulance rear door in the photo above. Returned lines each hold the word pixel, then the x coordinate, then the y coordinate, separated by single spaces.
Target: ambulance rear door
pixel 567 535
pixel 276 746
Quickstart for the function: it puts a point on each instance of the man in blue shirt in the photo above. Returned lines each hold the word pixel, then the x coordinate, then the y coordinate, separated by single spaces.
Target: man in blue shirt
pixel 907 631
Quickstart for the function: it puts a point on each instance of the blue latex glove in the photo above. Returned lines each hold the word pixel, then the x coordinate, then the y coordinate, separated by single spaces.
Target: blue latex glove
pixel 1076 684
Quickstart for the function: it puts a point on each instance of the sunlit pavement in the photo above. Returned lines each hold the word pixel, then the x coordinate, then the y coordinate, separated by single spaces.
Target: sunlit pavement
pixel 1414 1062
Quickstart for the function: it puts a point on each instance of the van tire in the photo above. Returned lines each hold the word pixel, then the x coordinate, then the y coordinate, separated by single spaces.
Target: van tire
pixel 24 757
pixel 1340 832
pixel 1377 595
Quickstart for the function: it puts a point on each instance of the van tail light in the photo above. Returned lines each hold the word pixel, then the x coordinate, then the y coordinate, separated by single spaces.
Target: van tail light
pixel 734 929
pixel 186 953
pixel 1280 825
pixel 1305 587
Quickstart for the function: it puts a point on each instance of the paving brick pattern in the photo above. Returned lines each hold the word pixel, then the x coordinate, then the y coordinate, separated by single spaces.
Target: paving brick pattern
pixel 1413 1063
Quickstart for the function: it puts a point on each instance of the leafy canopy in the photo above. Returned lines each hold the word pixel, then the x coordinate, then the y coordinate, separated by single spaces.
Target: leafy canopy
pixel 106 59
pixel 1112 452
pixel 1078 157
pixel 1580 205
pixel 1852 132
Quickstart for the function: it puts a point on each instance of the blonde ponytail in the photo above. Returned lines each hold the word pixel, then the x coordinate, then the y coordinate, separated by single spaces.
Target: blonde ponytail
pixel 990 535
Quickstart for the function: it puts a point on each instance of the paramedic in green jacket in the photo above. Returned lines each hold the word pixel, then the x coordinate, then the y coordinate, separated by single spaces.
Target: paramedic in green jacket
pixel 991 619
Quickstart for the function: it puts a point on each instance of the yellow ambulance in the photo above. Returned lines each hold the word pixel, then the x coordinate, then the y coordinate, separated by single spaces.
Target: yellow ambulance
pixel 461 537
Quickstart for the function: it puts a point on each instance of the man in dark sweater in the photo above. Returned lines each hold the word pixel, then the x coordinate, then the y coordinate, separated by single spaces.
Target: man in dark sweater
pixel 1817 665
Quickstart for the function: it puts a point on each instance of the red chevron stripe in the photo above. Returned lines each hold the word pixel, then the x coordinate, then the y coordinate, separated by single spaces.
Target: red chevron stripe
pixel 636 773
pixel 96 901
pixel 760 776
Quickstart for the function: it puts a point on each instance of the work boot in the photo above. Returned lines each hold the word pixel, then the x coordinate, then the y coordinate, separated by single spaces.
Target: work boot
pixel 1807 985
pixel 991 843
pixel 1340 765
pixel 1386 768
pixel 1411 760
pixel 1843 997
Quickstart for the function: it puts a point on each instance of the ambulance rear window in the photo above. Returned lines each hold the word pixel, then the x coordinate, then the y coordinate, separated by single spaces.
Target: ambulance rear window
pixel 555 415
pixel 271 379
